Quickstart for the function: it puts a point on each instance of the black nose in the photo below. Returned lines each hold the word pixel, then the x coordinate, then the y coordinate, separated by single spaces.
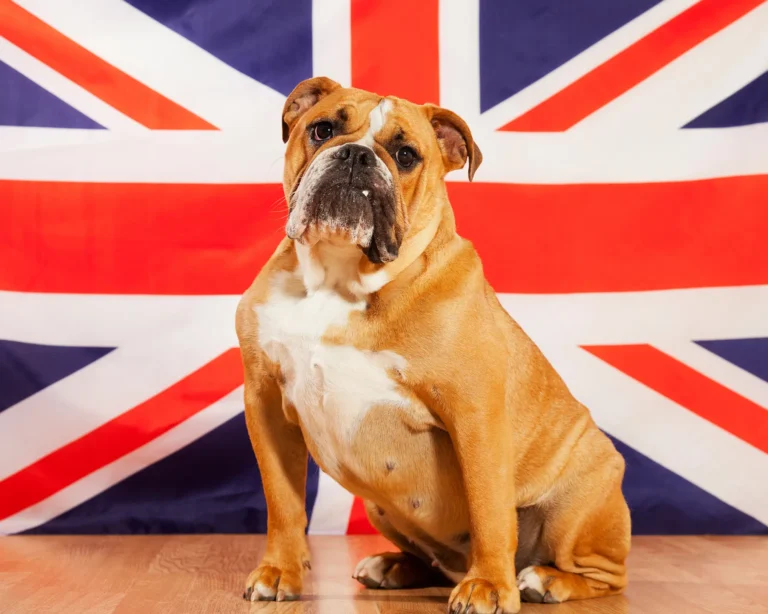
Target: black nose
pixel 357 155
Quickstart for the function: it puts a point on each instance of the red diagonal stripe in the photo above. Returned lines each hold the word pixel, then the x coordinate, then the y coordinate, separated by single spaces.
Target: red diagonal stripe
pixel 689 388
pixel 213 239
pixel 633 65
pixel 124 434
pixel 395 48
pixel 358 520
pixel 89 71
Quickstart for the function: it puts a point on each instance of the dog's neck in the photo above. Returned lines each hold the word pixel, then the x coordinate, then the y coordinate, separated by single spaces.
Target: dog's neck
pixel 342 267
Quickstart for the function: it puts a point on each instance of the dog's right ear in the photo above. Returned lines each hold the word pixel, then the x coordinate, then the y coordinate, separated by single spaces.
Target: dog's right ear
pixel 455 140
pixel 303 97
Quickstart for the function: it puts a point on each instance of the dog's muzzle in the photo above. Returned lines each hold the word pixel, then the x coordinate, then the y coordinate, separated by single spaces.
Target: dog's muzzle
pixel 347 194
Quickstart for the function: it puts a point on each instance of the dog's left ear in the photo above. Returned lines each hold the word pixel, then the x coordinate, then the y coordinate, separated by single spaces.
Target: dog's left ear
pixel 455 140
pixel 303 97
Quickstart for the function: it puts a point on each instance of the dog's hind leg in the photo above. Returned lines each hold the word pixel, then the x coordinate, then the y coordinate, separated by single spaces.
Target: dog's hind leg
pixel 587 531
pixel 410 568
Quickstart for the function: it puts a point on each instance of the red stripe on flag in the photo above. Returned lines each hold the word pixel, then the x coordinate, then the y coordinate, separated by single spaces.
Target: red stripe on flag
pixel 617 237
pixel 636 63
pixel 136 238
pixel 213 239
pixel 689 388
pixel 358 520
pixel 89 71
pixel 395 48
pixel 122 435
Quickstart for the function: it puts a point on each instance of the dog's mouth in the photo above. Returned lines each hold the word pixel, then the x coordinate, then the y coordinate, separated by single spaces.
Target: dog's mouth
pixel 339 211
pixel 341 205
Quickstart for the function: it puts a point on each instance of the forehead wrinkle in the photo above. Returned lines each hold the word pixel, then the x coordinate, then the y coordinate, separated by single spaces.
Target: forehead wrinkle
pixel 343 113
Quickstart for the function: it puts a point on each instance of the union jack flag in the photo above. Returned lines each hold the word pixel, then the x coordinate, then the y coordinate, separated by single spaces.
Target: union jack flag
pixel 621 214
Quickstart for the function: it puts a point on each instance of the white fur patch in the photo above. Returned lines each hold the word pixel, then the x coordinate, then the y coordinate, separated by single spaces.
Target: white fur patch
pixel 362 564
pixel 528 578
pixel 332 387
pixel 261 590
pixel 376 120
pixel 372 282
pixel 312 270
pixel 373 567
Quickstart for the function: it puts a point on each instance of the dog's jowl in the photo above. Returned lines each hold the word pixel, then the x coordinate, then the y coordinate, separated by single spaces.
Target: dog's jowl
pixel 372 340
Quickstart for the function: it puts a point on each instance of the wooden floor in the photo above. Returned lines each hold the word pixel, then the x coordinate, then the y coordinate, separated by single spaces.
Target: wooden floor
pixel 191 574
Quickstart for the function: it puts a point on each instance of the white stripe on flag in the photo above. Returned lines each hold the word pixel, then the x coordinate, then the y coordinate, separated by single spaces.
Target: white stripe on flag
pixel 173 440
pixel 333 507
pixel 332 40
pixel 158 156
pixel 579 157
pixel 641 317
pixel 110 320
pixel 459 41
pixel 244 156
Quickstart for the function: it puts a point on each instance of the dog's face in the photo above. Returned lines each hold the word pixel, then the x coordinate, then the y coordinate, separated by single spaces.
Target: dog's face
pixel 358 166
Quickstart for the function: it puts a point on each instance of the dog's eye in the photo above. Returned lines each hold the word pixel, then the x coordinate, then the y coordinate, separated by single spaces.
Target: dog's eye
pixel 405 157
pixel 322 132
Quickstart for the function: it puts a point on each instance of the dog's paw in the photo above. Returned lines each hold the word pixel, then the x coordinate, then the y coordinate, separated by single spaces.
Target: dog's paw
pixel 532 588
pixel 478 596
pixel 268 583
pixel 392 570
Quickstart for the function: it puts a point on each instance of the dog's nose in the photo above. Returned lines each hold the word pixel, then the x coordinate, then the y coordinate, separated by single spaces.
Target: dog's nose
pixel 356 154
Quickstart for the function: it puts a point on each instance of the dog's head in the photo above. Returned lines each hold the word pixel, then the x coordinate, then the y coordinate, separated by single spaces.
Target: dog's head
pixel 358 165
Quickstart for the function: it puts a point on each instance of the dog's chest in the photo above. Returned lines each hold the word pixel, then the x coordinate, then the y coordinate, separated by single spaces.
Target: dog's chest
pixel 332 387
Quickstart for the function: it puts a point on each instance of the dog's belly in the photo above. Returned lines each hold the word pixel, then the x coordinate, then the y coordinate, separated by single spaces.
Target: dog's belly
pixel 333 388
pixel 366 433
pixel 410 470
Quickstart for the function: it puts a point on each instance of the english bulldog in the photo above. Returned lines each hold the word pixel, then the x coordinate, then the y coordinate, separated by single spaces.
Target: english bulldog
pixel 372 340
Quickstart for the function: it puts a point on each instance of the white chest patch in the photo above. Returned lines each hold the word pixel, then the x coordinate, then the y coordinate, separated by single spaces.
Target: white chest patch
pixel 331 387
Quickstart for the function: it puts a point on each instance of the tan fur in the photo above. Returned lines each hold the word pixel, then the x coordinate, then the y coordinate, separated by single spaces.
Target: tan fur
pixel 490 433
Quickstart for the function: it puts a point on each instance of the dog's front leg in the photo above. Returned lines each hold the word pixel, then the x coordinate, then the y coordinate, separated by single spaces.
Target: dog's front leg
pixel 281 454
pixel 482 439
